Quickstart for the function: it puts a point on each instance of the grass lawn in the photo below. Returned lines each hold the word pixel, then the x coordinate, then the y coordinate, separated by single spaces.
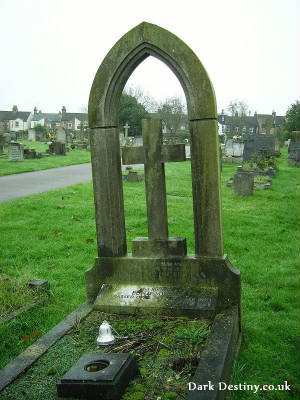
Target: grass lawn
pixel 52 236
pixel 15 167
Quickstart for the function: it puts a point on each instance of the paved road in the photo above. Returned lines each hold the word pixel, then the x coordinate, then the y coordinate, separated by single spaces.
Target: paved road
pixel 27 183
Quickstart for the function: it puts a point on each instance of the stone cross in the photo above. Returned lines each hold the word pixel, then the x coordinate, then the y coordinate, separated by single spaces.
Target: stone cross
pixel 126 127
pixel 153 155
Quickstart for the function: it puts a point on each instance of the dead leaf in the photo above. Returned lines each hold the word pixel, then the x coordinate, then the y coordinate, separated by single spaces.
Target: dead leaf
pixel 279 287
pixel 60 207
pixel 89 240
pixel 73 217
pixel 51 266
pixel 249 284
pixel 246 249
pixel 278 261
pixel 57 233
pixel 33 335
pixel 68 246
pixel 62 198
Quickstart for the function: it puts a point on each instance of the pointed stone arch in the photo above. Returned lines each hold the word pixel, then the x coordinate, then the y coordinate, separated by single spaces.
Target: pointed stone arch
pixel 135 46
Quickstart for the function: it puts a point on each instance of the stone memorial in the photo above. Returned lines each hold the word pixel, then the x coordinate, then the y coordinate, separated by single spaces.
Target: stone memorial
pixel 2 140
pixel 159 276
pixel 60 135
pixel 243 184
pixel 57 148
pixel 31 135
pixel 294 153
pixel 234 147
pixel 15 151
pixel 263 145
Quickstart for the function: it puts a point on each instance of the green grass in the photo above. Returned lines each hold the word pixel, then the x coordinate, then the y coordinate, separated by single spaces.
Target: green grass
pixel 261 238
pixel 15 167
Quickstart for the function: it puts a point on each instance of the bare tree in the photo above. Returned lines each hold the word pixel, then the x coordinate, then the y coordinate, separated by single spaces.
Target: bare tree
pixel 149 103
pixel 238 111
pixel 173 113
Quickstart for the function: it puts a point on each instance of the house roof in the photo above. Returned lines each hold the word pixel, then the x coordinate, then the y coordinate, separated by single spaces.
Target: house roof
pixel 249 121
pixel 70 116
pixel 12 115
pixel 55 117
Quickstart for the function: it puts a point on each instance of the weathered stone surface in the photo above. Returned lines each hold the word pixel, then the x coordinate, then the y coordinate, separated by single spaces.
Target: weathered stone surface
pixel 15 151
pixel 108 383
pixel 108 192
pixel 31 135
pixel 2 141
pixel 294 151
pixel 263 145
pixel 243 184
pixel 158 248
pixel 185 272
pixel 142 41
pixel 206 197
pixel 38 284
pixel 60 135
pixel 166 300
pixel 58 149
pixel 218 356
pixel 134 176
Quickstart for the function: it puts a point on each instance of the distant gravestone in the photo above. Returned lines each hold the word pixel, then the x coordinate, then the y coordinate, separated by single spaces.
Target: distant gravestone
pixel 2 140
pixel 58 149
pixel 60 135
pixel 234 148
pixel 243 184
pixel 15 151
pixel 263 145
pixel 31 135
pixel 294 153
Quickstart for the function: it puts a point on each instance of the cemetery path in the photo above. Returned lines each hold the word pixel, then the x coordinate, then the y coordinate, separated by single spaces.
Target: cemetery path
pixel 27 183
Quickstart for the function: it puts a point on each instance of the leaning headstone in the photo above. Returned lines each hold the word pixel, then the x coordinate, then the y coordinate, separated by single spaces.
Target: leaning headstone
pixel 60 135
pixel 262 145
pixel 31 135
pixel 243 184
pixel 159 277
pixel 15 151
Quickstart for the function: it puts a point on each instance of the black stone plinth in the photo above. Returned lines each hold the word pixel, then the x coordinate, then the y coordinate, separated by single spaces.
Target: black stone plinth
pixel 104 384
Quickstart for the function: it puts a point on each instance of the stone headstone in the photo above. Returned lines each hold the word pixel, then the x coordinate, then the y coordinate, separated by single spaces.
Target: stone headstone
pixel 238 147
pixel 262 145
pixel 58 149
pixel 2 140
pixel 15 151
pixel 243 184
pixel 159 277
pixel 31 135
pixel 294 153
pixel 134 176
pixel 60 135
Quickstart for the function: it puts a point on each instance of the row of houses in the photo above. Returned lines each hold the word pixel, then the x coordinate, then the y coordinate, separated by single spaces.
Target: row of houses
pixel 15 120
pixel 229 125
pixel 251 124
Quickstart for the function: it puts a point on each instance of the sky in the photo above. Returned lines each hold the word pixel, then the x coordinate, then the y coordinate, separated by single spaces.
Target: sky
pixel 51 49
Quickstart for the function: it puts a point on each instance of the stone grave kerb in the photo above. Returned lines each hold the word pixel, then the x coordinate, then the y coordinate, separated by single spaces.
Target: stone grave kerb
pixel 208 266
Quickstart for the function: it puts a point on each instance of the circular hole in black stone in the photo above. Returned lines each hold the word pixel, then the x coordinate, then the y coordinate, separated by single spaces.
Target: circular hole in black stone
pixel 95 366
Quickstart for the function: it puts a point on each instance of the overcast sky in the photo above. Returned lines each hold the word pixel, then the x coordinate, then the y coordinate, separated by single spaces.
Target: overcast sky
pixel 51 49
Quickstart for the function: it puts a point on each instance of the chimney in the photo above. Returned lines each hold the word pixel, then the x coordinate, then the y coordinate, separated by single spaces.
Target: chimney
pixel 35 110
pixel 63 110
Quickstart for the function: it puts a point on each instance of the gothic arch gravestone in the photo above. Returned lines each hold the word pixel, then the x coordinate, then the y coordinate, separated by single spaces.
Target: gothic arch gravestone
pixel 158 263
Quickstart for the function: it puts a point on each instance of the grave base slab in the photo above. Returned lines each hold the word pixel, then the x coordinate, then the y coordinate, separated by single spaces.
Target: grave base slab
pixel 164 300
pixel 86 379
